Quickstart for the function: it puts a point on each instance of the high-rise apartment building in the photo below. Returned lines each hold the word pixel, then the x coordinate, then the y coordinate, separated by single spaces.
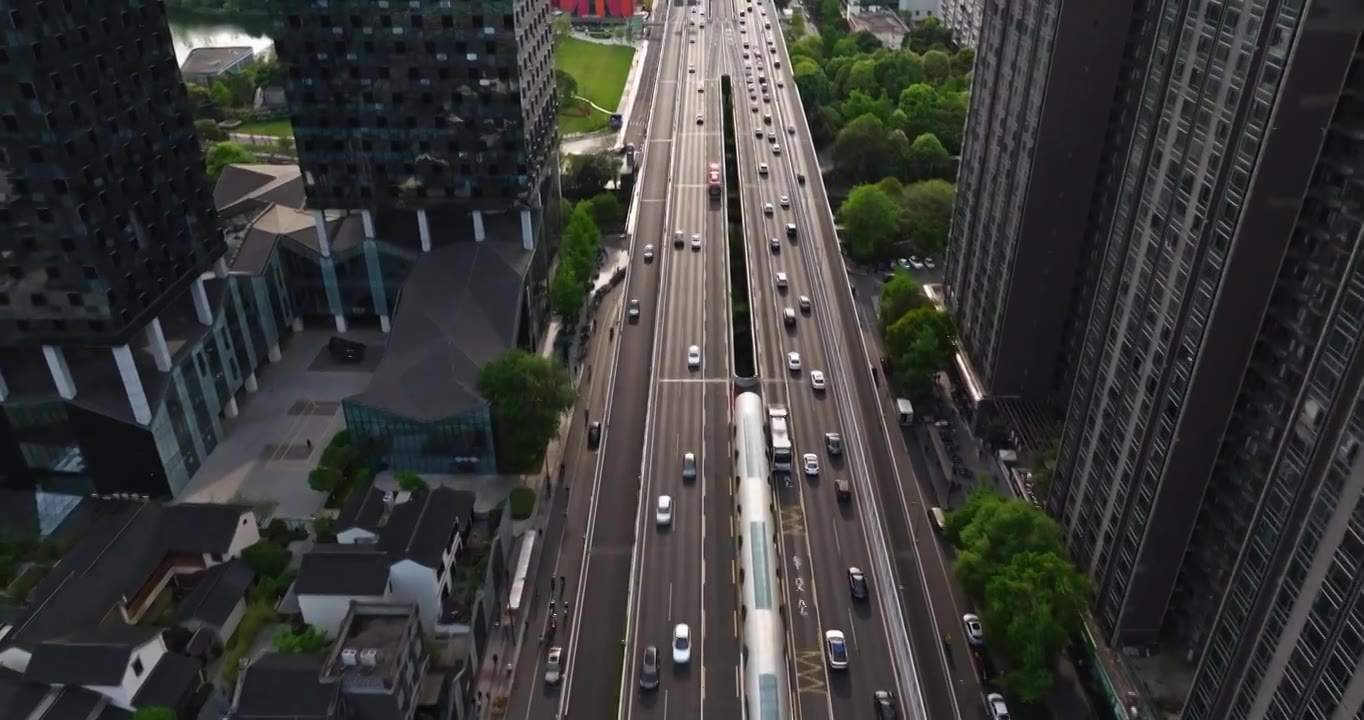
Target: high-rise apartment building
pixel 963 16
pixel 1210 478
pixel 1045 73
pixel 120 341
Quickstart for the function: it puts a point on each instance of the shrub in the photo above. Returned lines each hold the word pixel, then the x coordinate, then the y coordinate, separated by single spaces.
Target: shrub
pixel 522 502
pixel 266 559
pixel 410 482
pixel 278 532
pixel 324 529
pixel 324 479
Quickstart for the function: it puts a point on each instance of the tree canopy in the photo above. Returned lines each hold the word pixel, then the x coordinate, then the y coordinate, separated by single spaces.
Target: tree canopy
pixel 920 345
pixel 222 154
pixel 155 712
pixel 928 216
pixel 527 394
pixel 588 174
pixel 311 639
pixel 578 251
pixel 899 295
pixel 871 220
pixel 1012 559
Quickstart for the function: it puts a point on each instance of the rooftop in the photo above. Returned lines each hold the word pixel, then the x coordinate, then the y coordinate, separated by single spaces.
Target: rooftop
pixel 95 656
pixel 460 308
pixel 216 593
pixel 422 529
pixel 279 685
pixel 877 22
pixel 243 188
pixel 170 682
pixel 214 60
pixel 122 548
pixel 358 570
pixel 370 645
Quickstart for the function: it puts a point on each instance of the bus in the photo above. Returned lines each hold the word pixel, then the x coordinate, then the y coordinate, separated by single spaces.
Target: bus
pixel 713 182
pixel 782 455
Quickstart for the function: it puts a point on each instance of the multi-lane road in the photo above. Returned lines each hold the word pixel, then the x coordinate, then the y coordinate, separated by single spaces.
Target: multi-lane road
pixel 630 581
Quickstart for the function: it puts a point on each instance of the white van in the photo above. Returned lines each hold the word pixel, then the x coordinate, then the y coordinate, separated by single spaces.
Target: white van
pixel 906 411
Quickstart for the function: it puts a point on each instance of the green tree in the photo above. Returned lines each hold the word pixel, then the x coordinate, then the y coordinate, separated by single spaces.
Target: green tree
pixel 410 482
pixel 930 34
pixel 221 94
pixel 588 174
pixel 198 94
pixel 310 639
pixel 810 47
pixel 266 559
pixel 527 394
pixel 341 455
pixel 899 295
pixel 928 215
pixel 871 219
pixel 917 102
pixel 325 479
pixel 324 529
pixel 567 86
pixel 607 210
pixel 222 154
pixel 919 345
pixel 990 530
pixel 563 26
pixel 567 293
pixel 208 131
pixel 862 77
pixel 963 61
pixel 1032 605
pixel 949 120
pixel 242 87
pixel 810 81
pixel 937 66
pixel 582 243
pixel 927 159
pixel 830 14
pixel 154 713
pixel 859 104
pixel 859 149
pixel 798 25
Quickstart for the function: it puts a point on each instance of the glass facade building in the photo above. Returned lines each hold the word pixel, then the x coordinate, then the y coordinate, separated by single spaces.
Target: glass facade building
pixel 1209 477
pixel 461 444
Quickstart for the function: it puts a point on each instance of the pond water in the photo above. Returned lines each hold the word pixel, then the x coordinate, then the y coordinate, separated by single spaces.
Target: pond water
pixel 189 31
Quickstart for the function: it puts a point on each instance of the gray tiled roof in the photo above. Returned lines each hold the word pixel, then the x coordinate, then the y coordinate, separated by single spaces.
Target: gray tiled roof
pixel 18 698
pixel 361 510
pixel 286 686
pixel 460 308
pixel 170 682
pixel 343 570
pixel 97 656
pixel 421 528
pixel 218 591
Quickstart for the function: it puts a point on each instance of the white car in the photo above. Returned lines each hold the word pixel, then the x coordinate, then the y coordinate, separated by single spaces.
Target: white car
pixel 781 280
pixel 681 644
pixel 767 209
pixel 804 303
pixel 696 241
pixel 700 119
pixel 809 462
pixel 928 263
pixel 694 357
pixel 817 379
pixel 998 710
pixel 975 633
pixel 762 168
pixel 836 648
pixel 793 361
pixel 785 201
pixel 648 253
pixel 913 262
pixel 554 666
pixel 701 89
pixel 664 514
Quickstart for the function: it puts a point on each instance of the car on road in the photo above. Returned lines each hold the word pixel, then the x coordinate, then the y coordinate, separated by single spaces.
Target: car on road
pixel 790 230
pixel 791 129
pixel 694 357
pixel 767 118
pixel 912 262
pixel 809 463
pixel 843 489
pixel 688 466
pixel 785 201
pixel 781 280
pixel 633 312
pixel 700 119
pixel 998 710
pixel 793 361
pixel 594 435
pixel 886 707
pixel 678 240
pixel 857 584
pixel 816 376
pixel 648 669
pixel 800 178
pixel 701 89
pixel 833 442
pixel 648 253
pixel 775 244
pixel 975 632
pixel 836 648
pixel 762 168
pixel 681 644
pixel 663 514
pixel 554 665
pixel 758 133
pixel 696 241
pixel 691 69
pixel 788 316
pixel 767 209
pixel 805 304
pixel 776 149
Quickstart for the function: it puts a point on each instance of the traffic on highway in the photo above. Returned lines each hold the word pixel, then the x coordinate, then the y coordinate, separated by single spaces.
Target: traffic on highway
pixel 748 546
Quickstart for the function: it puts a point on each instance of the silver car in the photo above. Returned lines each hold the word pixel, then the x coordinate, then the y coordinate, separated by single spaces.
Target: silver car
pixel 648 669
pixel 689 466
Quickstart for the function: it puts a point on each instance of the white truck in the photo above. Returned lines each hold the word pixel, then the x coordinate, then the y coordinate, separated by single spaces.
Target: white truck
pixel 782 454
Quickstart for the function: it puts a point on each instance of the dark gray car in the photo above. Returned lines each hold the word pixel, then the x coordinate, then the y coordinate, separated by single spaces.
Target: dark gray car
pixel 834 443
pixel 688 466
pixel 648 670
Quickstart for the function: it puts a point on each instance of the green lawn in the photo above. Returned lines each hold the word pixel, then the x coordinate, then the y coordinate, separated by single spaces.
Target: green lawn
pixel 573 122
pixel 276 128
pixel 600 70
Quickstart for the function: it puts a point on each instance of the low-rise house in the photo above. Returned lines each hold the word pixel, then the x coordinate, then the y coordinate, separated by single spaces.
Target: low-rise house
pixel 32 701
pixel 418 535
pixel 97 620
pixel 374 670
pixel 331 577
pixel 218 600
pixel 206 64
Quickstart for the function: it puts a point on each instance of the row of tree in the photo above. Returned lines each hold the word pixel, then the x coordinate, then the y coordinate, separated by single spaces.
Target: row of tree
pixel 527 394
pixel 919 338
pixel 891 219
pixel 578 252
pixel 1011 559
